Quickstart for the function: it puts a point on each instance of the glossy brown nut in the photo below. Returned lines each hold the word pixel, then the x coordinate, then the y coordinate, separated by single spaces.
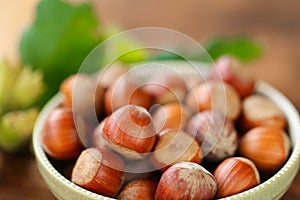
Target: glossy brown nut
pixel 166 88
pixel 138 189
pixel 97 137
pixel 235 175
pixel 125 91
pixel 258 110
pixel 81 94
pixel 171 116
pixel 174 146
pixel 140 169
pixel 130 131
pixel 186 180
pixel 215 133
pixel 267 147
pixel 215 95
pixel 59 136
pixel 224 71
pixel 99 171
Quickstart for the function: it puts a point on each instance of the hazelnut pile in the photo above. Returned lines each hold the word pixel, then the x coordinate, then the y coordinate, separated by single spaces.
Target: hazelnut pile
pixel 164 138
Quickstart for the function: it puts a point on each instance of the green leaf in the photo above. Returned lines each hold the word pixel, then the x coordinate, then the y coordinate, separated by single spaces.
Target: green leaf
pixel 122 48
pixel 242 48
pixel 27 81
pixel 8 76
pixel 59 39
pixel 15 83
pixel 165 55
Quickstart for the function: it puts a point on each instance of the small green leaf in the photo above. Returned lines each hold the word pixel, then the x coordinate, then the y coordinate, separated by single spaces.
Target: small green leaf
pixel 242 48
pixel 122 48
pixel 165 55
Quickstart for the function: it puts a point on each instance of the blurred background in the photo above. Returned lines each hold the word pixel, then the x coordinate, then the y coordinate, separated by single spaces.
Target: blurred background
pixel 275 24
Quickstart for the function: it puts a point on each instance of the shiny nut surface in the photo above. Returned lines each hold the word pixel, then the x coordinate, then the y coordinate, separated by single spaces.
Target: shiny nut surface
pixel 186 180
pixel 215 95
pixel 258 110
pixel 215 133
pixel 174 146
pixel 138 189
pixel 267 147
pixel 130 131
pixel 235 175
pixel 100 171
pixel 171 116
pixel 59 136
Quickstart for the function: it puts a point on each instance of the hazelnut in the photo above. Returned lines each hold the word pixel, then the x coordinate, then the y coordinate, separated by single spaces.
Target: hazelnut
pixel 130 131
pixel 97 137
pixel 215 133
pixel 140 169
pixel 186 180
pixel 174 146
pixel 171 116
pixel 215 95
pixel 99 171
pixel 81 94
pixel 138 189
pixel 59 136
pixel 166 88
pixel 258 110
pixel 235 175
pixel 125 91
pixel 267 147
pixel 225 71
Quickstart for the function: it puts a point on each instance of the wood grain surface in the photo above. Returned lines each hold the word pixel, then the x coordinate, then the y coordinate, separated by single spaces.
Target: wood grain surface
pixel 275 23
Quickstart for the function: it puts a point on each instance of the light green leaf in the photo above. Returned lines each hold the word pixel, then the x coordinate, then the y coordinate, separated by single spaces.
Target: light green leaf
pixel 8 76
pixel 59 39
pixel 242 48
pixel 27 88
pixel 120 44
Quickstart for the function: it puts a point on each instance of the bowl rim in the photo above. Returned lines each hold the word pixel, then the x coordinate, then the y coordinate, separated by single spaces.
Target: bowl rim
pixel 261 87
pixel 293 119
pixel 41 156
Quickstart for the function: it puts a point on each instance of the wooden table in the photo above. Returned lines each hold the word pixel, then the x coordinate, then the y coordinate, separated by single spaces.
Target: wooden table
pixel 275 24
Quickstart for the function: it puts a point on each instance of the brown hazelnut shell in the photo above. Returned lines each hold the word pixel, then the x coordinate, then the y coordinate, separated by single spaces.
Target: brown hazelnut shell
pixel 215 133
pixel 215 95
pixel 258 110
pixel 130 131
pixel 171 116
pixel 125 91
pixel 59 136
pixel 224 70
pixel 235 175
pixel 100 171
pixel 267 147
pixel 138 189
pixel 186 180
pixel 175 146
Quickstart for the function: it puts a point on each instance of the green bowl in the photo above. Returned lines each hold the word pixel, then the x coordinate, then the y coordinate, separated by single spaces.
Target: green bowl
pixel 273 188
